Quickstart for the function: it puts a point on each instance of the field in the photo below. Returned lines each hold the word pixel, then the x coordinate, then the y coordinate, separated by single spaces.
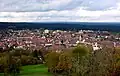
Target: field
pixel 34 70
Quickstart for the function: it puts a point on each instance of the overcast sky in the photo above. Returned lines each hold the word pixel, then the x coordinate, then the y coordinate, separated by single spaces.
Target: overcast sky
pixel 59 10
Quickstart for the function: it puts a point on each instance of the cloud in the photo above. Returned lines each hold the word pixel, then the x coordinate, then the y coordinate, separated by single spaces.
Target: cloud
pixel 59 10
pixel 48 5
pixel 78 14
pixel 33 5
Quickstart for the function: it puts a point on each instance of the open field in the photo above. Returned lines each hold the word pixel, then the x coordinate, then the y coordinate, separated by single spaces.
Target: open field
pixel 34 70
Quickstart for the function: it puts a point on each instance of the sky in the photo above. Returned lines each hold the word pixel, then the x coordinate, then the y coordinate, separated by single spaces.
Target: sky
pixel 59 10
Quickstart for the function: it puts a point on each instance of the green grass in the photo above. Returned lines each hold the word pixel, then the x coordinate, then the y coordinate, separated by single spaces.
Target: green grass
pixel 34 70
pixel 1 74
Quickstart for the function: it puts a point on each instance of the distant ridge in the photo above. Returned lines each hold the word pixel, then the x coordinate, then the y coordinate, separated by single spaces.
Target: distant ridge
pixel 63 25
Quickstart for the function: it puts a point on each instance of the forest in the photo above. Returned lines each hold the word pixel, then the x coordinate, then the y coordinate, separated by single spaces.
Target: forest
pixel 77 61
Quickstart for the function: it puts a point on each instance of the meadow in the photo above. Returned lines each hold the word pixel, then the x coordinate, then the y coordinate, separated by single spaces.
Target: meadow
pixel 34 70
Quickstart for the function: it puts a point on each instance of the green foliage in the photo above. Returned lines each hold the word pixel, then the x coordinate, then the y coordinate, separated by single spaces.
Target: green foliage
pixel 115 71
pixel 80 60
pixel 81 50
pixel 72 62
pixel 65 64
pixel 52 60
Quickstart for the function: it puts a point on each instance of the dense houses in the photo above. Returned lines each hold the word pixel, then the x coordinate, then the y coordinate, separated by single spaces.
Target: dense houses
pixel 57 39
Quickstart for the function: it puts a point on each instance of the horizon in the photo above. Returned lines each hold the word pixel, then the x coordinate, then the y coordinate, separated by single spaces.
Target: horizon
pixel 60 22
pixel 113 27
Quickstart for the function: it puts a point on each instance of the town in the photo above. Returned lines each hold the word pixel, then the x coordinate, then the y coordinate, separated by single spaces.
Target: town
pixel 57 40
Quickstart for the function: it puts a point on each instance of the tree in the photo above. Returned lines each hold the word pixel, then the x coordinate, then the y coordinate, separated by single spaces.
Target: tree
pixel 52 60
pixel 11 63
pixel 101 62
pixel 80 60
pixel 35 54
pixel 115 70
pixel 65 64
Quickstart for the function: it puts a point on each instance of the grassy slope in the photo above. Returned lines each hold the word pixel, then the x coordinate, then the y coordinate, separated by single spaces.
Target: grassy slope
pixel 34 70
